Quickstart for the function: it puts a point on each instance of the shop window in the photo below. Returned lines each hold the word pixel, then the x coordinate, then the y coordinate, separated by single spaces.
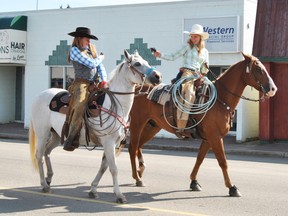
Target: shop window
pixel 61 77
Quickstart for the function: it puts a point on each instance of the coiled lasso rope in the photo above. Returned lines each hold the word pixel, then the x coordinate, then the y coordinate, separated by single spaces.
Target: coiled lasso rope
pixel 192 108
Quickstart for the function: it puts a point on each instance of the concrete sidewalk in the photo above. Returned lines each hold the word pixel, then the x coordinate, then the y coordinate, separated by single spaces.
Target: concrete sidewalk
pixel 255 148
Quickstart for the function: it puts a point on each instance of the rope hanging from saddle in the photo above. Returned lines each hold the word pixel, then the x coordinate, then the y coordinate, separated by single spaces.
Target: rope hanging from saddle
pixel 111 112
pixel 195 108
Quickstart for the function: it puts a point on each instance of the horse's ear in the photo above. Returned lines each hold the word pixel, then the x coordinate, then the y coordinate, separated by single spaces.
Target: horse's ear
pixel 247 57
pixel 136 52
pixel 127 55
pixel 248 61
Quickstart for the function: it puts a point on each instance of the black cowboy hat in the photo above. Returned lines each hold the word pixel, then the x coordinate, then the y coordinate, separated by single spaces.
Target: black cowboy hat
pixel 83 32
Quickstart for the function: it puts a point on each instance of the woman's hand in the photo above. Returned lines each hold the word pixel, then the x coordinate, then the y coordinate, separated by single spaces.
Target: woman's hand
pixel 155 52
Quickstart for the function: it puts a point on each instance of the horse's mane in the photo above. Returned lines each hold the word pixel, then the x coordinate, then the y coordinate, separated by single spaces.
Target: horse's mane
pixel 117 68
pixel 229 69
pixel 252 59
pixel 226 71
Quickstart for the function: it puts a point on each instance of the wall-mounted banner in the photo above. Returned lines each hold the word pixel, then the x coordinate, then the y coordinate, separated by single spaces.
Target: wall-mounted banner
pixel 223 32
pixel 13 40
pixel 12 46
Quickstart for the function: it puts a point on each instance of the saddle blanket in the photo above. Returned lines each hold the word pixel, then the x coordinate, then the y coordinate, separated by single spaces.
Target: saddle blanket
pixel 160 94
pixel 60 102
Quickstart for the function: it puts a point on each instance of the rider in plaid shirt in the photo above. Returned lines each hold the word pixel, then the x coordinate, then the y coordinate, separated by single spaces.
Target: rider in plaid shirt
pixel 87 66
pixel 77 56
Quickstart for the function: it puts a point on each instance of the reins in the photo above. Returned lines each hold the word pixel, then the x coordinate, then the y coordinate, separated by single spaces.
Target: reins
pixel 239 96
pixel 135 71
pixel 112 111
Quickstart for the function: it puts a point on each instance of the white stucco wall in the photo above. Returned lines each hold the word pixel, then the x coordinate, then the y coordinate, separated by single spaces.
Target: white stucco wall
pixel 160 25
pixel 247 111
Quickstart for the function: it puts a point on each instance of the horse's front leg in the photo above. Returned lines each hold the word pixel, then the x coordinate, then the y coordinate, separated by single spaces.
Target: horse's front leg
pixel 109 151
pixel 108 159
pixel 133 151
pixel 218 149
pixel 141 162
pixel 104 165
pixel 203 150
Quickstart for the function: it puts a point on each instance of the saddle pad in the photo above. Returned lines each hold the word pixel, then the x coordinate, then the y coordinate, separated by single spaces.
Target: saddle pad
pixel 59 100
pixel 160 94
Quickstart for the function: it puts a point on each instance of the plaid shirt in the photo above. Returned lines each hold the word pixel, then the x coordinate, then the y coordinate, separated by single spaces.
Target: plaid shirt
pixel 191 58
pixel 77 56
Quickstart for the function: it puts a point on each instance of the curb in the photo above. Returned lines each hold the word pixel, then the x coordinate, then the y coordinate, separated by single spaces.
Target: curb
pixel 275 154
pixel 13 136
pixel 259 153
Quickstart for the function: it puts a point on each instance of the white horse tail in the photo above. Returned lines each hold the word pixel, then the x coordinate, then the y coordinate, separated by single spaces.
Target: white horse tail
pixel 32 142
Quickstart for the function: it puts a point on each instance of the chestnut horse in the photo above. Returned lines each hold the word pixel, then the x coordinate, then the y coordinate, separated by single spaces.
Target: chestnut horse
pixel 214 126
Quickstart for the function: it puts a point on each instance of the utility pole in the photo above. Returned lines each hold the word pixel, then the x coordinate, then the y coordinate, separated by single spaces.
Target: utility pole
pixel 36 4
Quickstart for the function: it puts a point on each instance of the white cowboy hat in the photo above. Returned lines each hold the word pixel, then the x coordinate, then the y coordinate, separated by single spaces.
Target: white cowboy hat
pixel 198 29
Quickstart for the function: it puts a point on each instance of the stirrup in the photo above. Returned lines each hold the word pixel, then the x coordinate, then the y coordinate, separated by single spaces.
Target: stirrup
pixel 180 133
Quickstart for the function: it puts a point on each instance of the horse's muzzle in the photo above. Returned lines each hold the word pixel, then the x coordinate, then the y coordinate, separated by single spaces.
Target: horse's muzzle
pixel 155 77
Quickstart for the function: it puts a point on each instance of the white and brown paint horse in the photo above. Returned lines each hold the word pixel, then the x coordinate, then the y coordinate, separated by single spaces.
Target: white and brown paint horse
pixel 46 125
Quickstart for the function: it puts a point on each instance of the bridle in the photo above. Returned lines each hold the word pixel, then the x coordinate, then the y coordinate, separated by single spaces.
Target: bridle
pixel 249 70
pixel 135 71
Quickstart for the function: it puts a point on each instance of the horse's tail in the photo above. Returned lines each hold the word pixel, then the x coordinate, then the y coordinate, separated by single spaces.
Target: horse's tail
pixel 121 146
pixel 32 141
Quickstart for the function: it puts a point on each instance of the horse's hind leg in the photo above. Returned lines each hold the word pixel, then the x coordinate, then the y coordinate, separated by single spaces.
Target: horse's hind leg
pixel 53 142
pixel 41 147
pixel 203 150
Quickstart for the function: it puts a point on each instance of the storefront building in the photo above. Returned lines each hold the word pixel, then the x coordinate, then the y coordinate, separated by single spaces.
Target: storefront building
pixel 34 57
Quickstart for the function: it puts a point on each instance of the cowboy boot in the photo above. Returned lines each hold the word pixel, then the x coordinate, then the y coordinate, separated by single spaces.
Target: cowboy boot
pixel 181 124
pixel 72 140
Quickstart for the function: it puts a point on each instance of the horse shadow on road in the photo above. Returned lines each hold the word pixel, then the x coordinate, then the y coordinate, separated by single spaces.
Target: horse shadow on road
pixel 74 198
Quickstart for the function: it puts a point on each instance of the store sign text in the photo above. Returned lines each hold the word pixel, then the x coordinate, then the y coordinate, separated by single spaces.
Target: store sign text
pixel 12 46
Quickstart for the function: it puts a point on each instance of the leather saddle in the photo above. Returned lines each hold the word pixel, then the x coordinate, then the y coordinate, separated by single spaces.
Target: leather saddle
pixel 171 110
pixel 60 102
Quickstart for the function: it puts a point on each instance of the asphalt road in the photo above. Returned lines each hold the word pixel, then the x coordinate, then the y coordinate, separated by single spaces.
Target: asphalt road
pixel 262 181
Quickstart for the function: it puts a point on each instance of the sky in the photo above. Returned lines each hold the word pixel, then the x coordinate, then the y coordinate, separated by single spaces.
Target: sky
pixel 27 5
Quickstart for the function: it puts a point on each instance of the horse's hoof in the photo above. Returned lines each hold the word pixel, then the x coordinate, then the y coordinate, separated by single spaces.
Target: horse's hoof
pixel 195 186
pixel 140 184
pixel 234 192
pixel 93 195
pixel 46 189
pixel 121 200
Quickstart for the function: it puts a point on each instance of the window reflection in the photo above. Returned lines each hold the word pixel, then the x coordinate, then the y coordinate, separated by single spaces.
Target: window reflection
pixel 61 77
